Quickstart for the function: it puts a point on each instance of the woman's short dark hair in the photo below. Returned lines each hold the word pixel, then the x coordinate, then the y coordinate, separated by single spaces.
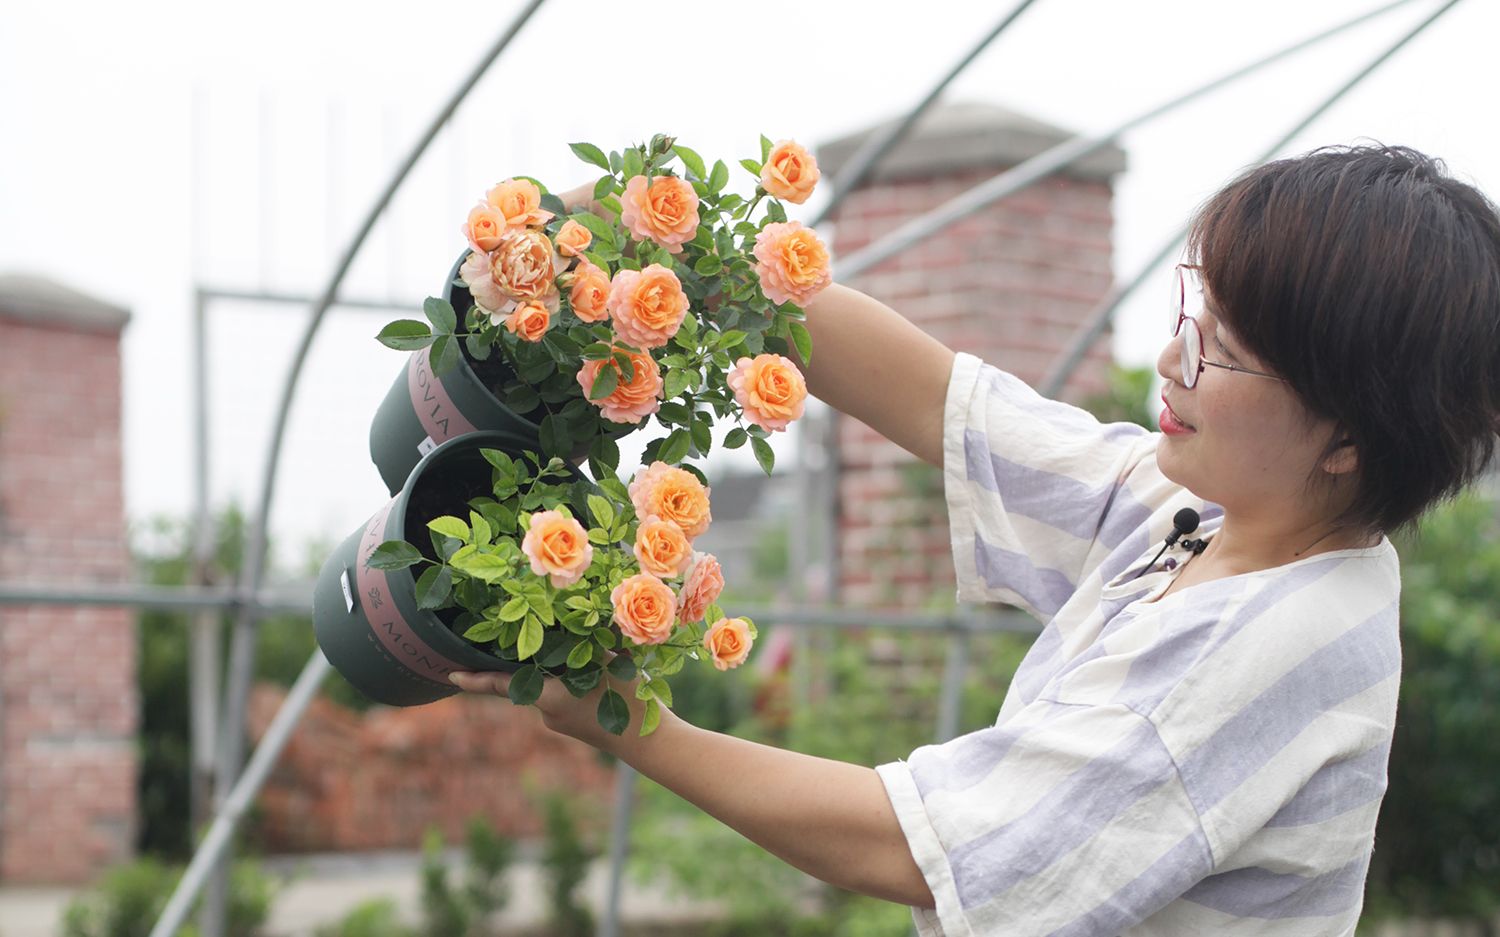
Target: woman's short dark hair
pixel 1370 280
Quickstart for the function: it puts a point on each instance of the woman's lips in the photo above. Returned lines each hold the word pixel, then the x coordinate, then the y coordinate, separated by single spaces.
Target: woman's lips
pixel 1170 422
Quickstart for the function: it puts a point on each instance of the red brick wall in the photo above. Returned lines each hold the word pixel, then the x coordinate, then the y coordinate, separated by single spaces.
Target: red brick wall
pixel 68 700
pixel 1009 284
pixel 378 780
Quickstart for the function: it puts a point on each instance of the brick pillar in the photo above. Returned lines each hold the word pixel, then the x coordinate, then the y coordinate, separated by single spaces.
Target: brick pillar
pixel 1010 284
pixel 69 707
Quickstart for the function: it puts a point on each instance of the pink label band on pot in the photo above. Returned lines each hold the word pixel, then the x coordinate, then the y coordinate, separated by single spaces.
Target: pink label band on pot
pixel 429 398
pixel 390 629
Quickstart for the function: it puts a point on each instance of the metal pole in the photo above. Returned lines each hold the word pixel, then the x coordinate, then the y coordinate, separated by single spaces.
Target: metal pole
pixel 955 671
pixel 203 657
pixel 242 640
pixel 1100 318
pixel 619 847
pixel 878 144
pixel 1064 154
pixel 242 796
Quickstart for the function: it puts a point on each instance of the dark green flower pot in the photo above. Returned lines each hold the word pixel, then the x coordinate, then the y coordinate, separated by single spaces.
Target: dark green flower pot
pixel 367 621
pixel 423 410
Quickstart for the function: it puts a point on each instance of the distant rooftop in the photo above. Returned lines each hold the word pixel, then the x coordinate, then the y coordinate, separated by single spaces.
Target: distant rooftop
pixel 965 135
pixel 42 301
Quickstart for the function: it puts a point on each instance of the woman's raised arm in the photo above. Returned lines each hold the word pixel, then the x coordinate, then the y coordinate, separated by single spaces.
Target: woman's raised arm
pixel 872 363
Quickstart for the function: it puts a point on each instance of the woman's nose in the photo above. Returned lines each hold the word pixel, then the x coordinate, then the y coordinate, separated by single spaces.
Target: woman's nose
pixel 1169 362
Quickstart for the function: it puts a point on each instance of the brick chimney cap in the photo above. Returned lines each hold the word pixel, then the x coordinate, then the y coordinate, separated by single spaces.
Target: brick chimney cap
pixel 41 301
pixel 965 135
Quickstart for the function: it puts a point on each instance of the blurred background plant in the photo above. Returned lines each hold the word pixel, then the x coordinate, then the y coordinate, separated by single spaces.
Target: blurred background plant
pixel 129 898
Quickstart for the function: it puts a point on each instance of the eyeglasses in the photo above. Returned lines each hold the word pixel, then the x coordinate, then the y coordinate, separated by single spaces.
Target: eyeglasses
pixel 1187 287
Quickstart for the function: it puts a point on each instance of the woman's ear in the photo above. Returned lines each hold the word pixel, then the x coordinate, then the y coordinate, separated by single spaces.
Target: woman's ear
pixel 1342 458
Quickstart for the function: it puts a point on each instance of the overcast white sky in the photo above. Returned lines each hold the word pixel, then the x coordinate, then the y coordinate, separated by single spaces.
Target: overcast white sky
pixel 303 110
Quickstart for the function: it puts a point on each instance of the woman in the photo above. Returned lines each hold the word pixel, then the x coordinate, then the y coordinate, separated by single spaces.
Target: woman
pixel 1196 743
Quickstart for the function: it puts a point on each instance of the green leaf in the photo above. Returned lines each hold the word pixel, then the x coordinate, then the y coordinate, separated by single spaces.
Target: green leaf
pixel 590 154
pixel 393 554
pixel 691 160
pixel 405 335
pixel 483 566
pixel 751 166
pixel 581 682
pixel 719 177
pixel 604 186
pixel 675 449
pixel 803 341
pixel 613 713
pixel 444 354
pixel 775 212
pixel 602 510
pixel 483 632
pixel 440 313
pixel 530 640
pixel 514 610
pixel 582 653
pixel 652 717
pixel 552 435
pixel 605 383
pixel 702 436
pixel 765 147
pixel 635 164
pixel 480 527
pixel 673 412
pixel 708 265
pixel 623 667
pixel 676 382
pixel 604 456
pixel 763 453
pixel 450 526
pixel 525 686
pixel 735 438
pixel 434 586
pixel 597 226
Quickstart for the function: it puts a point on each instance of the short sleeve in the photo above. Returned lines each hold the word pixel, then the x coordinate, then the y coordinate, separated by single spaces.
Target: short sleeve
pixel 1066 820
pixel 1039 492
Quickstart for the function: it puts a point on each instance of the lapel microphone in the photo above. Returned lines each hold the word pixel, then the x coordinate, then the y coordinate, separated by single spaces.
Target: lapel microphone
pixel 1184 522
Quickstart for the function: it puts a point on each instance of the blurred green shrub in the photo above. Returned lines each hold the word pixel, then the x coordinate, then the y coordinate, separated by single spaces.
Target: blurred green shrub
pixel 129 898
pixel 1437 845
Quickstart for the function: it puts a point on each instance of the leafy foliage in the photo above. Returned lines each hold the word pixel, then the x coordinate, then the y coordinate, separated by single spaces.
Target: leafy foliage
pixel 127 901
pixel 1437 845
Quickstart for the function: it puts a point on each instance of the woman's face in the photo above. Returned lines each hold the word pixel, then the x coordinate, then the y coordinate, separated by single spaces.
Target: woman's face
pixel 1241 441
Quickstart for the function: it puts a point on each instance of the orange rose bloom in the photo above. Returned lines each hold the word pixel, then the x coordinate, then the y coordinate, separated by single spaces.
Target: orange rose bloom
pixel 484 227
pixel 644 609
pixel 524 265
pixel 700 587
pixel 789 172
pixel 672 494
pixel 558 548
pixel 770 390
pixel 529 321
pixel 519 202
pixel 792 262
pixel 665 212
pixel 573 239
pixel 631 401
pixel 589 295
pixel 729 642
pixel 647 305
pixel 661 548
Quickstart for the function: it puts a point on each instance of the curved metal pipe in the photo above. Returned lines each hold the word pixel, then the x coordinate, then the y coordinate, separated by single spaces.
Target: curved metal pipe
pixel 1068 361
pixel 865 158
pixel 1064 154
pixel 242 646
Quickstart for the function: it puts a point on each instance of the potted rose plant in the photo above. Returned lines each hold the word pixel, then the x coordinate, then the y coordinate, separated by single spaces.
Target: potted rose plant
pixel 666 300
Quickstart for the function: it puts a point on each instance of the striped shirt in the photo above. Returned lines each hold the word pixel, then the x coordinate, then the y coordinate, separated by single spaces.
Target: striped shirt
pixel 1210 763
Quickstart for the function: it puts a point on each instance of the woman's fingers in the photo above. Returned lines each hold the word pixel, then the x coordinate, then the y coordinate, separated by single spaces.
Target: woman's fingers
pixel 496 683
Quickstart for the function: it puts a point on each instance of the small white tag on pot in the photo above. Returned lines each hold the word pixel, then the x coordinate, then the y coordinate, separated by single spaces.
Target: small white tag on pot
pixel 348 592
pixel 426 445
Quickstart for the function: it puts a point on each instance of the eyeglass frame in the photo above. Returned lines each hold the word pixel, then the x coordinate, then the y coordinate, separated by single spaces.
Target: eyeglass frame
pixel 1203 362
